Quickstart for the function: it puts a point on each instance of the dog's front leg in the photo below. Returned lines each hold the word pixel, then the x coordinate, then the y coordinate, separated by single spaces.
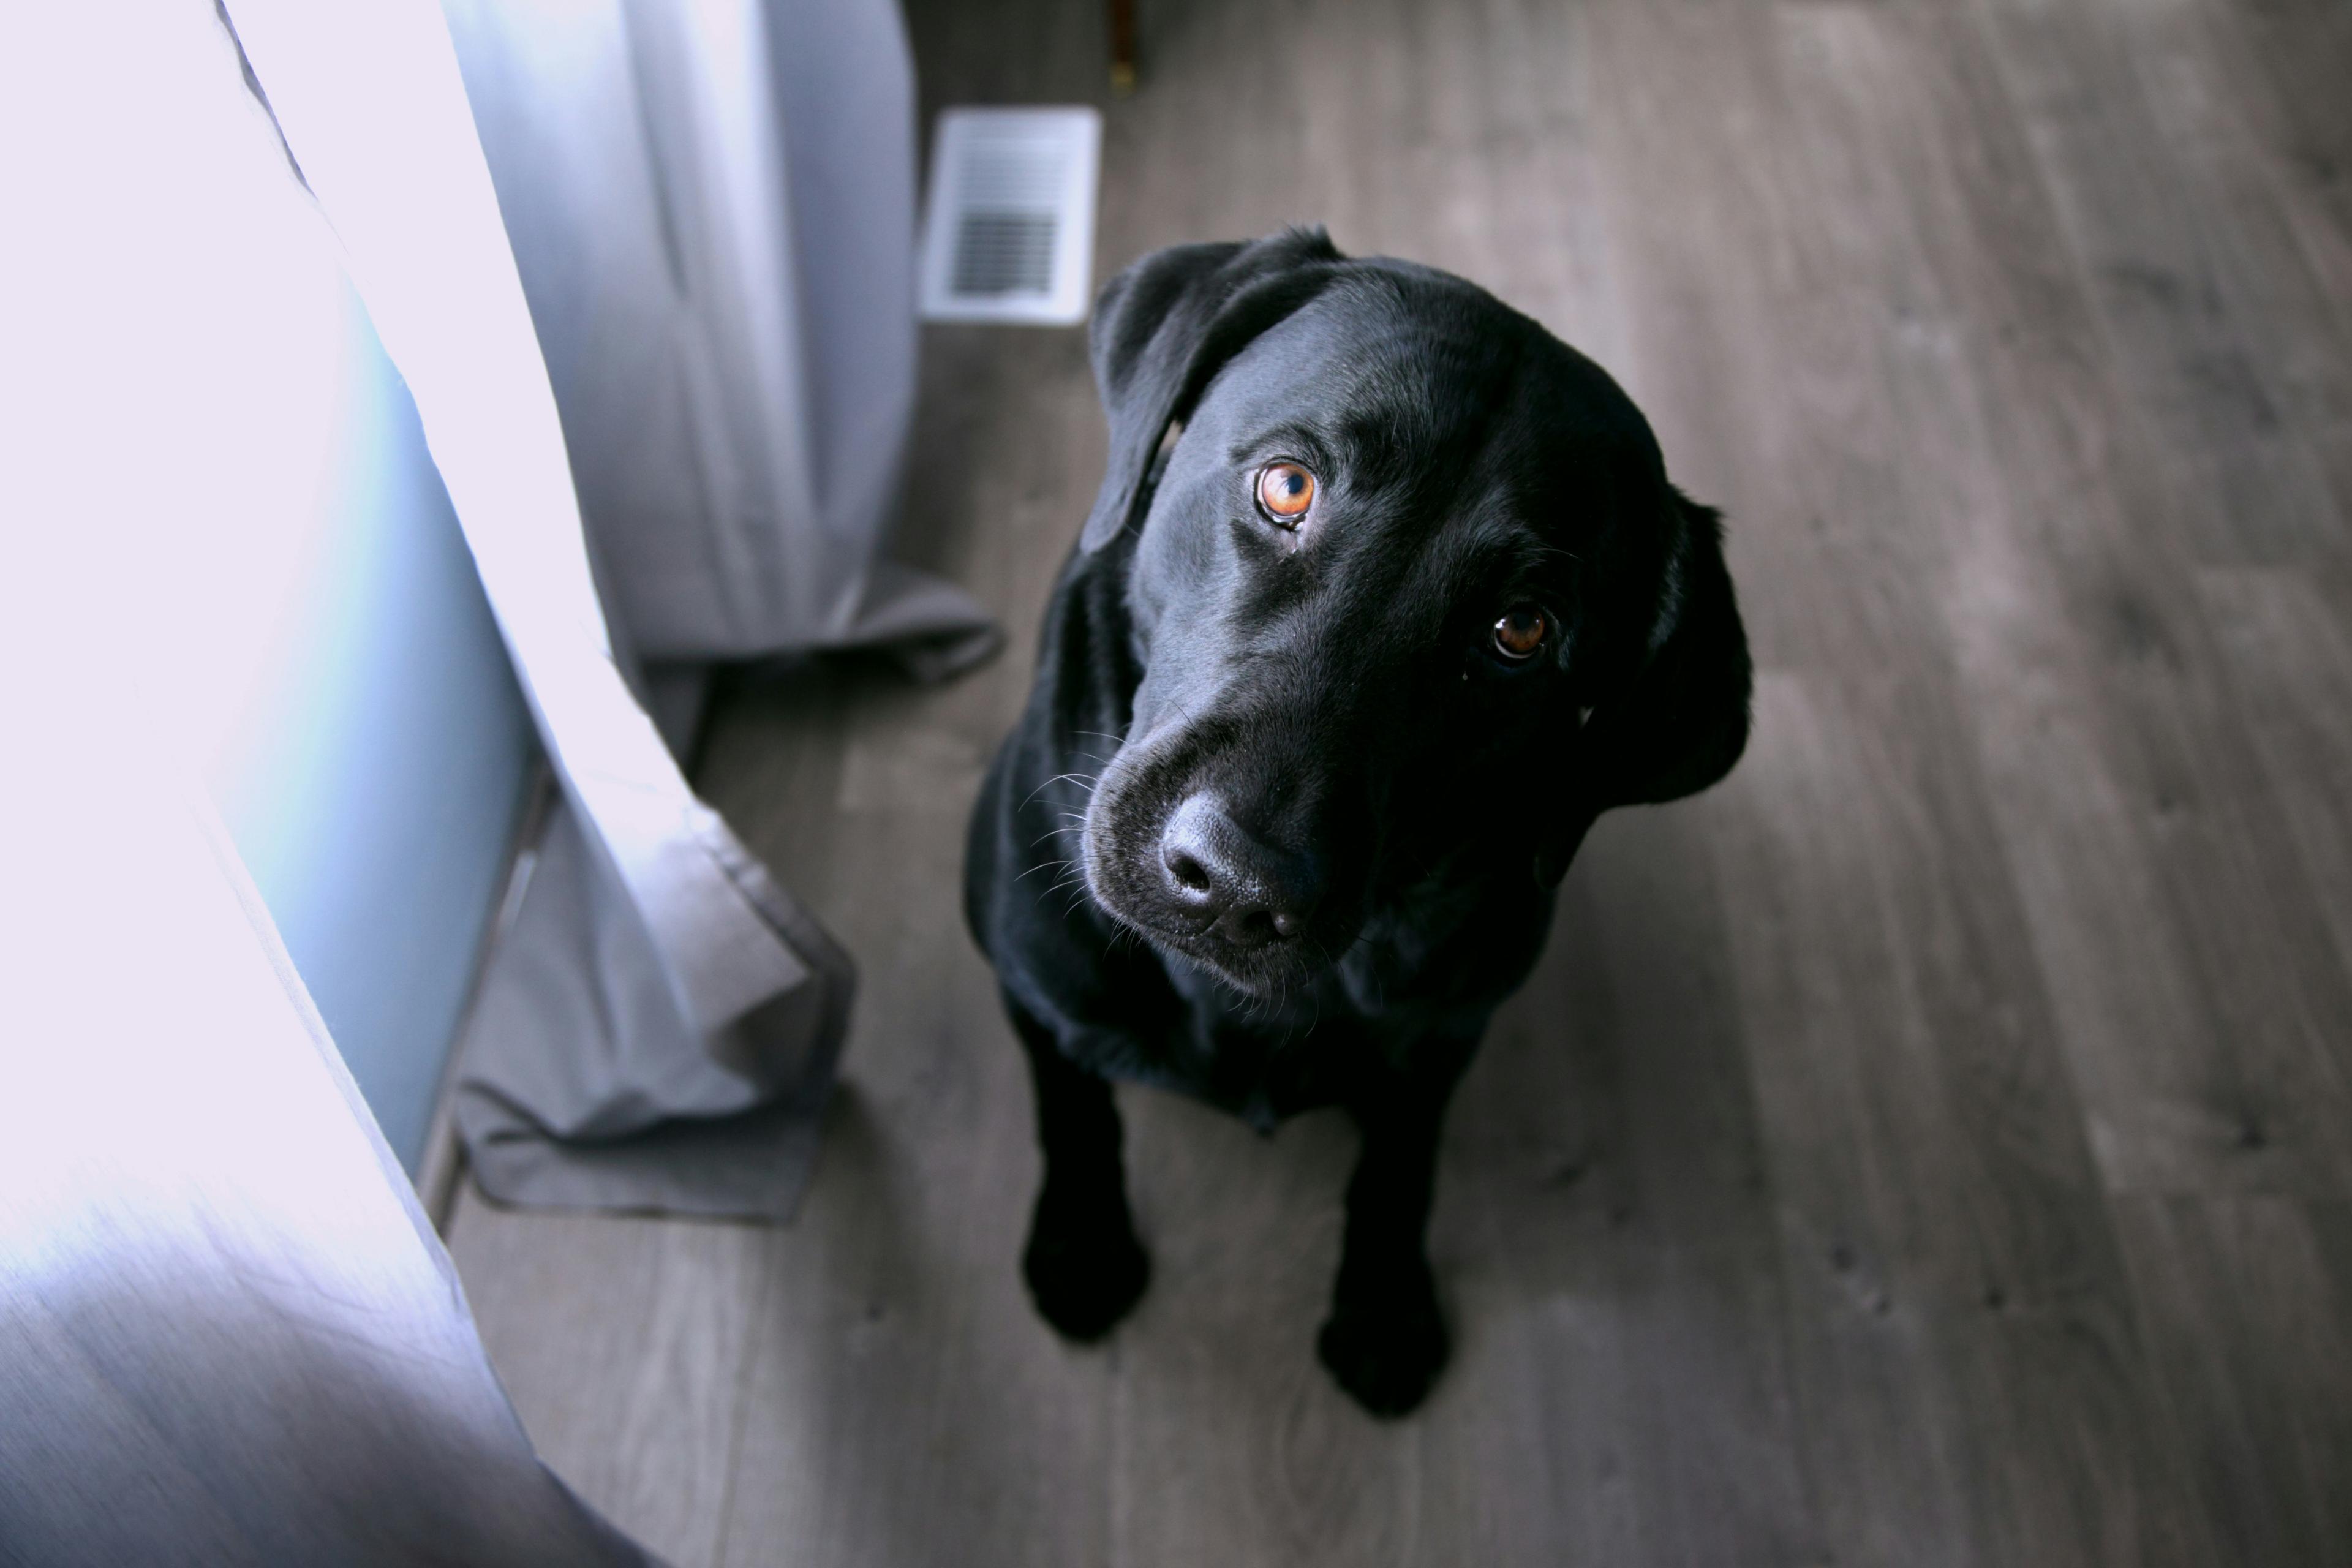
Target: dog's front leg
pixel 1084 1265
pixel 1385 1341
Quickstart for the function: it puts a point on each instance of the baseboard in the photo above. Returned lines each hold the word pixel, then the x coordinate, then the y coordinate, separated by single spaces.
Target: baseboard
pixel 442 1165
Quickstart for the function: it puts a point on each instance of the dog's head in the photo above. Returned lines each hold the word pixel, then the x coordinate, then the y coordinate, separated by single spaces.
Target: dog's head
pixel 1408 584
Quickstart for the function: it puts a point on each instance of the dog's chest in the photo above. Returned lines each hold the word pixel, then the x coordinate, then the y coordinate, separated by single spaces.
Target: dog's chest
pixel 1268 1058
pixel 1265 1061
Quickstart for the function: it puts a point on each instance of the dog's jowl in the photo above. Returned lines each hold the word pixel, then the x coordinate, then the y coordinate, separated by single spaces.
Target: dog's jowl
pixel 1385 597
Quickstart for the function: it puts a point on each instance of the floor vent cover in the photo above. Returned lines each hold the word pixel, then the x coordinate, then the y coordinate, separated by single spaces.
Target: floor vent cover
pixel 1009 234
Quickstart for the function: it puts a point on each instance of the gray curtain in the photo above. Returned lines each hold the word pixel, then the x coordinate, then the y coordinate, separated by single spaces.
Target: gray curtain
pixel 711 205
pixel 671 358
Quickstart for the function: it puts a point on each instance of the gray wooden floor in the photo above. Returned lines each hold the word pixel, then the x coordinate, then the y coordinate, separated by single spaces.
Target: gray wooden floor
pixel 1933 1147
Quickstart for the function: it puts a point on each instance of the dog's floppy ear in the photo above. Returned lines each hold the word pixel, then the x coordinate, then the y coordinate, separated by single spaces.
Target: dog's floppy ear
pixel 1168 324
pixel 1682 722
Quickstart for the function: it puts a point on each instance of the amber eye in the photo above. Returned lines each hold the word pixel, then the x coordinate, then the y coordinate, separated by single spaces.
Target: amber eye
pixel 1284 491
pixel 1520 634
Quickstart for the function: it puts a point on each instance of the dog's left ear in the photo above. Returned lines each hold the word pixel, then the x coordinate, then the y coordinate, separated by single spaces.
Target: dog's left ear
pixel 1682 722
pixel 1165 326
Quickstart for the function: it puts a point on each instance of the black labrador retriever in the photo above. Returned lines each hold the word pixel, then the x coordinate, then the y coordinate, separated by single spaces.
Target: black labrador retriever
pixel 1385 597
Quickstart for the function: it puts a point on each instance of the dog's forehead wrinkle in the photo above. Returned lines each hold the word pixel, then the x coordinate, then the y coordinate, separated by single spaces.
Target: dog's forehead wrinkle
pixel 1482 543
pixel 1418 352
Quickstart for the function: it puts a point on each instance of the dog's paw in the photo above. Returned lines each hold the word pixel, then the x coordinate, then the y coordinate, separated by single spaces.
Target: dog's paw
pixel 1084 1267
pixel 1386 1342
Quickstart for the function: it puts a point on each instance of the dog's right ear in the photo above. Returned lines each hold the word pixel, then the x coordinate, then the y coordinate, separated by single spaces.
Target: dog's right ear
pixel 1167 325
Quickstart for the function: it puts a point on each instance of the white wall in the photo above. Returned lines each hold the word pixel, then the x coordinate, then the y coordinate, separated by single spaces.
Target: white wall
pixel 372 776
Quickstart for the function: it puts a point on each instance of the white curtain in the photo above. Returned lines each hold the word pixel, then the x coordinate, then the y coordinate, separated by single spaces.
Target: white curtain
pixel 227 1333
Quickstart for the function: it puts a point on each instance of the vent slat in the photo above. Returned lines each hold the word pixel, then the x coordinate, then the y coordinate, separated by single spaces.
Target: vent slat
pixel 1009 228
pixel 1005 253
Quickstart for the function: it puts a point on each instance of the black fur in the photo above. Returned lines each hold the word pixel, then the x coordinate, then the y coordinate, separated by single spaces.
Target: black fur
pixel 1279 827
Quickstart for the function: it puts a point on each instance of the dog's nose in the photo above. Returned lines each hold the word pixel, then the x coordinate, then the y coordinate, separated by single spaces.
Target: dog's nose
pixel 1249 893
